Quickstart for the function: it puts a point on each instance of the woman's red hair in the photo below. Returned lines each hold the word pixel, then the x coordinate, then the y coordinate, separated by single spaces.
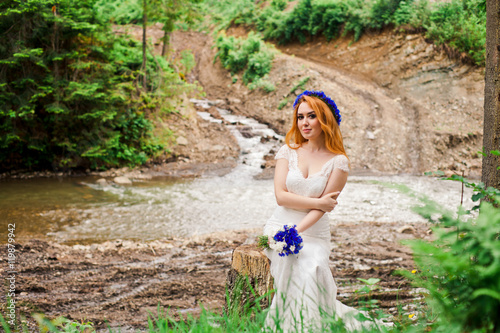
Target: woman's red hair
pixel 333 137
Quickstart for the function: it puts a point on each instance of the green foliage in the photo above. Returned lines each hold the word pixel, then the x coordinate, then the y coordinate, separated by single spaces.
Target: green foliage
pixel 460 267
pixel 57 325
pixel 480 191
pixel 460 24
pixel 404 13
pixel 172 13
pixel 263 242
pixel 224 13
pixel 187 61
pixel 282 103
pixel 120 12
pixel 250 55
pixel 328 18
pixel 167 12
pixel 62 325
pixel 264 84
pixel 70 96
pixel 279 4
pixel 461 270
pixel 297 24
pixel 300 85
pixel 381 12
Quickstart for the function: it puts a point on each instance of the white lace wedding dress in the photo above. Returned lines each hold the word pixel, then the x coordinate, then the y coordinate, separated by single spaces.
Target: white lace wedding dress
pixel 305 288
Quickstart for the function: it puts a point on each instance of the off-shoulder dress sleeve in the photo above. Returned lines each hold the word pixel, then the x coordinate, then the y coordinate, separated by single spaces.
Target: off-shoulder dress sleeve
pixel 341 162
pixel 283 152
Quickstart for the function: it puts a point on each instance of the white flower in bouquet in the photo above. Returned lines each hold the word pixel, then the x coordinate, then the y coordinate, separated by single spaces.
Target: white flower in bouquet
pixel 284 240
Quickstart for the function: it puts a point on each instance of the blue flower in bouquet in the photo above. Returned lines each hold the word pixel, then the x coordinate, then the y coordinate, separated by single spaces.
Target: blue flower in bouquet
pixel 286 241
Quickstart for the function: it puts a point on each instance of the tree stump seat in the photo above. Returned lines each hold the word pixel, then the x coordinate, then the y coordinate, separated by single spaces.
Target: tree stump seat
pixel 249 279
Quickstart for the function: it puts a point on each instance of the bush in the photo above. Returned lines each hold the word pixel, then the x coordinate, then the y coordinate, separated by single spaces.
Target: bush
pixel 250 55
pixel 461 24
pixel 224 13
pixel 119 12
pixel 460 268
pixel 403 14
pixel 328 18
pixel 382 12
pixel 262 83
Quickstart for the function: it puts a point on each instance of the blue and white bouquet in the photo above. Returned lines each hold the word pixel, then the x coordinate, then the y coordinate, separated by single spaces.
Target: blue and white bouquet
pixel 285 241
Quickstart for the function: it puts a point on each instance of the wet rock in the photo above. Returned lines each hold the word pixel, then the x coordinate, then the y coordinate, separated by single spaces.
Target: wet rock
pixel 122 180
pixel 102 182
pixel 143 176
pixel 246 132
pixel 407 229
pixel 214 112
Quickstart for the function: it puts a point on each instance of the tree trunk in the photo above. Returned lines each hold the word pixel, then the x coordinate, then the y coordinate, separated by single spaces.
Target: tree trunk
pixel 491 132
pixel 144 23
pixel 248 279
pixel 166 40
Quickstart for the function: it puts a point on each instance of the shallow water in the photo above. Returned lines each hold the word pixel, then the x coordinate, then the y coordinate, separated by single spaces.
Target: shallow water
pixel 79 210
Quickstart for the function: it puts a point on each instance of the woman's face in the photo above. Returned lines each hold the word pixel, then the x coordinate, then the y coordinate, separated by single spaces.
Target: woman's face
pixel 308 122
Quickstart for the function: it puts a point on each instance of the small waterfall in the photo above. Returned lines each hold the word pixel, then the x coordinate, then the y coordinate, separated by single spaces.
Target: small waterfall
pixel 255 139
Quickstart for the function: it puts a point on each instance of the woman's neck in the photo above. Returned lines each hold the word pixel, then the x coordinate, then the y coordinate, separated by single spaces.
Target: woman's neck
pixel 317 144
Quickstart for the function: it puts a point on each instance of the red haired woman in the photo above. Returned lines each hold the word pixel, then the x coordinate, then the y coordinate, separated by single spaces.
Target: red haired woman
pixel 311 171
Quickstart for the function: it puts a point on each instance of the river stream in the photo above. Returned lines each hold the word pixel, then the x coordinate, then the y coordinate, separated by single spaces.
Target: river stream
pixel 79 210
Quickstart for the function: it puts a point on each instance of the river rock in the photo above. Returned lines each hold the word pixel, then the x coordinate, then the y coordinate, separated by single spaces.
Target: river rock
pixel 102 182
pixel 122 180
pixel 407 229
pixel 246 132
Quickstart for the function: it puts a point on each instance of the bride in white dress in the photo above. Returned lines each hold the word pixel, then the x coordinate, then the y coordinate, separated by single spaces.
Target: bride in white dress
pixel 311 171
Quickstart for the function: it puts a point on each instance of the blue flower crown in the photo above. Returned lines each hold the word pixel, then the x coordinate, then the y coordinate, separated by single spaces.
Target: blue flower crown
pixel 327 100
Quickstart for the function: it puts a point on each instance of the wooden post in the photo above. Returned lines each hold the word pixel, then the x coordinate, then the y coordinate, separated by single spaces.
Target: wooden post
pixel 248 279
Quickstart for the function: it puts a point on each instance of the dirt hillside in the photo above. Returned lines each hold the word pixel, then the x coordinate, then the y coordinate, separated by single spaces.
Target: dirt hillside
pixel 406 106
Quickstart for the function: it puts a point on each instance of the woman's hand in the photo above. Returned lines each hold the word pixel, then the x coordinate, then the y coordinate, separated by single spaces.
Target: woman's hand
pixel 328 202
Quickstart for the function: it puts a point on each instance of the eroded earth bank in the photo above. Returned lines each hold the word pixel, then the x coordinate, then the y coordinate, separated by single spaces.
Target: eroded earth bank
pixel 120 283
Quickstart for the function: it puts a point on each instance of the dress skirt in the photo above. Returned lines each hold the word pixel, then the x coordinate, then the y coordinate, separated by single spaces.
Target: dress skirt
pixel 305 291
